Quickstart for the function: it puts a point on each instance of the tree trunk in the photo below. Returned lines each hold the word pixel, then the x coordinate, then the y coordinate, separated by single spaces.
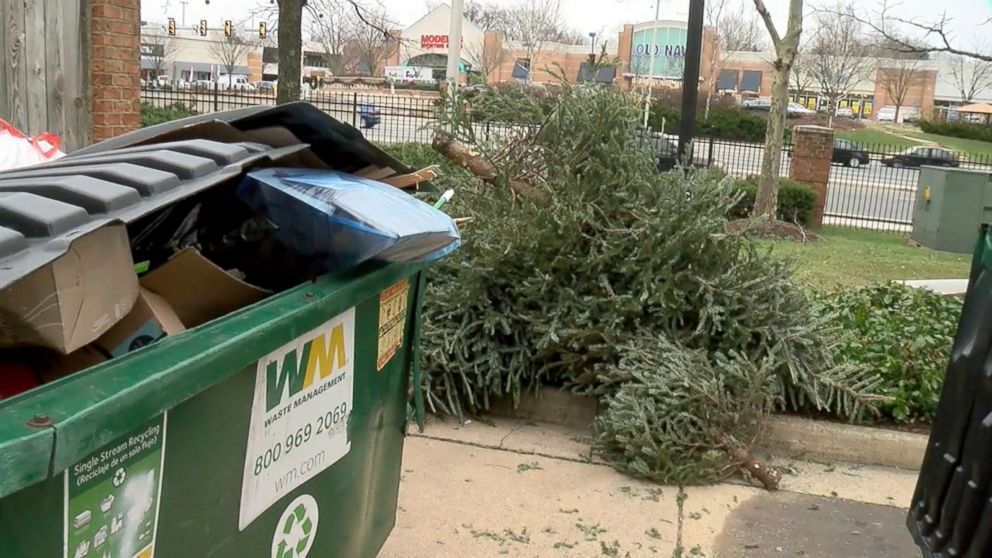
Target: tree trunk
pixel 895 119
pixel 766 201
pixel 290 50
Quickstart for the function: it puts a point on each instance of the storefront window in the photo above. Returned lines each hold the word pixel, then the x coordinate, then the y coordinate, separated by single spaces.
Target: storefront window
pixel 751 81
pixel 666 45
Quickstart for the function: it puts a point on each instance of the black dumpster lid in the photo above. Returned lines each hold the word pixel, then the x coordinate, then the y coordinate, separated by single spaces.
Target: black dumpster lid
pixel 341 146
pixel 44 208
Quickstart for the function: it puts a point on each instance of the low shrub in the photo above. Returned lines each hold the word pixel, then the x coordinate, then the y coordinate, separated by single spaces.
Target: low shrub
pixel 796 200
pixel 902 334
pixel 724 122
pixel 957 130
pixel 152 115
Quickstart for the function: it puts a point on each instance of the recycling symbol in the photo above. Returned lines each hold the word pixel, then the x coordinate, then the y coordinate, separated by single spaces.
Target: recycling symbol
pixel 296 529
pixel 119 476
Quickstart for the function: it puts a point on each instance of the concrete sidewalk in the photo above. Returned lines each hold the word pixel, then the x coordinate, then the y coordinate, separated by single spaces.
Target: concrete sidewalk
pixel 514 488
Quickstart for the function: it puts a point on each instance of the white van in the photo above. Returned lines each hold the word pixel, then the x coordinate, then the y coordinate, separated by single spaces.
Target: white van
pixel 886 114
pixel 236 82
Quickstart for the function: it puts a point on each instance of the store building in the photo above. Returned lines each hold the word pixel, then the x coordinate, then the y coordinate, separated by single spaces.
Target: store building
pixel 664 43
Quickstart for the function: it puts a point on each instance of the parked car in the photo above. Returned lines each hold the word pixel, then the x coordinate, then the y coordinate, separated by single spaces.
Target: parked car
pixel 266 87
pixel 757 104
pixel 914 157
pixel 849 154
pixel 369 115
pixel 795 109
pixel 886 114
pixel 235 82
pixel 203 84
pixel 844 113
pixel 667 152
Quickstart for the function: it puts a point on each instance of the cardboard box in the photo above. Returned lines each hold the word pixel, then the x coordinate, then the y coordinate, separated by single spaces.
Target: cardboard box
pixel 150 320
pixel 198 290
pixel 75 299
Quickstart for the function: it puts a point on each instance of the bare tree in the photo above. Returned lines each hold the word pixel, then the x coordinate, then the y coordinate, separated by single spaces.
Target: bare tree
pixel 837 60
pixel 736 31
pixel 330 29
pixel 912 35
pixel 801 79
pixel 230 53
pixel 786 49
pixel 488 17
pixel 486 57
pixel 159 50
pixel 970 76
pixel 290 35
pixel 366 44
pixel 534 23
pixel 740 30
pixel 898 79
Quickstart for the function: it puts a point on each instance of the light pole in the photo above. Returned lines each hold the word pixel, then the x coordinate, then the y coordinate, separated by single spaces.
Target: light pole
pixel 690 77
pixel 184 2
pixel 592 46
pixel 654 53
pixel 455 42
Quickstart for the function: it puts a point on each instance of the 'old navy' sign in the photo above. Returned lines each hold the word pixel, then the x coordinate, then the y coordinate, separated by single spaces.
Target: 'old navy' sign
pixel 671 51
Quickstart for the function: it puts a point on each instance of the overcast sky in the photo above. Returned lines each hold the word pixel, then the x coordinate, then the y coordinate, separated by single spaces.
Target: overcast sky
pixel 598 15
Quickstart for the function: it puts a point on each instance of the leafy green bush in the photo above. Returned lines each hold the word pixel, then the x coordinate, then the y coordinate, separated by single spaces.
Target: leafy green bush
pixel 796 200
pixel 610 266
pixel 901 333
pixel 957 130
pixel 724 122
pixel 152 115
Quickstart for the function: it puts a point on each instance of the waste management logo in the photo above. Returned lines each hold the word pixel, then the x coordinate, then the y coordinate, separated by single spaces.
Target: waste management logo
pixel 299 414
pixel 296 528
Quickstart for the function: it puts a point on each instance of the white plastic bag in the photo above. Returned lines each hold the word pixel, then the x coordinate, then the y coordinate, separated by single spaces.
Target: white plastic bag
pixel 18 150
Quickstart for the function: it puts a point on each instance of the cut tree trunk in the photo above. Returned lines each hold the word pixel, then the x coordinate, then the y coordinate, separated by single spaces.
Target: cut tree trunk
pixel 462 155
pixel 458 153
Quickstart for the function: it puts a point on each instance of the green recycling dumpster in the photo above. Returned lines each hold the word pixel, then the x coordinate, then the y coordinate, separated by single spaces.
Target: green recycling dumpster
pixel 274 430
pixel 951 204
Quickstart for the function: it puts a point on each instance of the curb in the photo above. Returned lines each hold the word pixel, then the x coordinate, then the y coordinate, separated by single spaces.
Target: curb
pixel 784 436
pixel 830 441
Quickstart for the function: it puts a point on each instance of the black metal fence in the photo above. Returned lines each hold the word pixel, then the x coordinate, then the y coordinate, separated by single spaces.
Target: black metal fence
pixel 382 117
pixel 870 186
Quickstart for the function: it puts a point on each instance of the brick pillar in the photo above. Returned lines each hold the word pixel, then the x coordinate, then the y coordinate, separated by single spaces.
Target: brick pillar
pixel 813 146
pixel 115 73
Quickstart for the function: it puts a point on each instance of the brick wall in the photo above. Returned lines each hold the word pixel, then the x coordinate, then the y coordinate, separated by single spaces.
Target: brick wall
pixel 813 147
pixel 114 67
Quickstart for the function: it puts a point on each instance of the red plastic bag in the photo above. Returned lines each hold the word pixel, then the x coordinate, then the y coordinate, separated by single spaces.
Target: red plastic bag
pixel 18 150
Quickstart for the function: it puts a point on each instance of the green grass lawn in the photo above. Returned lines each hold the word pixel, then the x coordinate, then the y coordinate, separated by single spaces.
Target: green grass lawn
pixel 881 137
pixel 850 257
pixel 872 136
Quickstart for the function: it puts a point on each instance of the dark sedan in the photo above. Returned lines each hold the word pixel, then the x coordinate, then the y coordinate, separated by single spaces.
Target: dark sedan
pixel 914 157
pixel 849 154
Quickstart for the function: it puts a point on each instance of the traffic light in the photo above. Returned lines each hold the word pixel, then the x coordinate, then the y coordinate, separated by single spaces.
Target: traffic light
pixel 203 28
pixel 172 27
pixel 262 31
pixel 228 28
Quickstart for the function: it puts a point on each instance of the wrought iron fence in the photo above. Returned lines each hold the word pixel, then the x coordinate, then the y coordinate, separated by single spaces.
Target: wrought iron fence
pixel 870 186
pixel 873 186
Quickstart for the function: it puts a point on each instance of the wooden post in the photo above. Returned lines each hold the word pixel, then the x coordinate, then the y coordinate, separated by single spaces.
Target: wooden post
pixel 44 80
